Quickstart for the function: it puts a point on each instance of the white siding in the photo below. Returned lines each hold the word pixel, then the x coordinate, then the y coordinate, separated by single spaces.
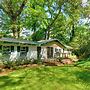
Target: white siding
pixel 14 55
pixel 44 52
pixel 32 52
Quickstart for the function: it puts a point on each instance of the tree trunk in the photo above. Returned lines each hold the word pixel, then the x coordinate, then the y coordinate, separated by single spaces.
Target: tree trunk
pixel 13 28
pixel 18 32
pixel 72 33
pixel 14 32
pixel 45 35
pixel 48 34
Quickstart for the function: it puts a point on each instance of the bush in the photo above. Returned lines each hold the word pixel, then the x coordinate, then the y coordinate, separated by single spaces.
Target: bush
pixel 39 61
pixel 83 63
pixel 5 59
pixel 83 51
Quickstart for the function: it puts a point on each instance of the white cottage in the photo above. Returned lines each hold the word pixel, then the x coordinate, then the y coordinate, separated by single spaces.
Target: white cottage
pixel 44 49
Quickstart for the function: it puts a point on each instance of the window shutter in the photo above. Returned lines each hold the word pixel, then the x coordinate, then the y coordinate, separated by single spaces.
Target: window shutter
pixel 12 48
pixel 18 48
pixel 0 48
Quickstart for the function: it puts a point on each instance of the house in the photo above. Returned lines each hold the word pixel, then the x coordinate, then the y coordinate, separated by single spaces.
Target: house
pixel 44 49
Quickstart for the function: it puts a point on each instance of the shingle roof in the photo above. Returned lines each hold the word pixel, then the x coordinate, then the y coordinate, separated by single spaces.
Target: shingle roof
pixel 68 47
pixel 38 43
pixel 12 40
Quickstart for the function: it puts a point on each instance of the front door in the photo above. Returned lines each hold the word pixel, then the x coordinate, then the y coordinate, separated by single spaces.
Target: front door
pixel 39 52
pixel 49 52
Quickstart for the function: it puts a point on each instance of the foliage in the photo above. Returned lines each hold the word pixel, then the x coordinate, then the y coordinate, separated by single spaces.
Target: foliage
pixel 83 63
pixel 38 35
pixel 12 9
pixel 83 51
pixel 41 15
pixel 7 63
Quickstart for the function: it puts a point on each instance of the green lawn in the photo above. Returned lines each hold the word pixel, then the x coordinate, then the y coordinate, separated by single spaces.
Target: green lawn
pixel 84 63
pixel 47 78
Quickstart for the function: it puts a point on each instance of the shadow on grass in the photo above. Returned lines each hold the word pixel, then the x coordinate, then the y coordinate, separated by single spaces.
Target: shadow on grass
pixel 83 75
pixel 12 82
pixel 36 76
pixel 6 81
pixel 45 77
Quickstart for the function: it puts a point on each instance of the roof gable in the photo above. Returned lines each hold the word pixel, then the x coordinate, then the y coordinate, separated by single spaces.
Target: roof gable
pixel 50 42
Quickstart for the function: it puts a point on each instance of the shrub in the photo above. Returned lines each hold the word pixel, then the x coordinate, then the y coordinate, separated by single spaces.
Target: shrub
pixel 83 63
pixel 38 61
pixel 5 59
pixel 83 51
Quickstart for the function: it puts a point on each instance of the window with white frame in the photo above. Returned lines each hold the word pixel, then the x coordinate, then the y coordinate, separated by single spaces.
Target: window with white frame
pixel 56 50
pixel 8 49
pixel 60 50
pixel 23 51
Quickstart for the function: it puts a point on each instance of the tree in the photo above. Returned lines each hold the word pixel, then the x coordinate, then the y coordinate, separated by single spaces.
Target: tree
pixel 46 18
pixel 9 7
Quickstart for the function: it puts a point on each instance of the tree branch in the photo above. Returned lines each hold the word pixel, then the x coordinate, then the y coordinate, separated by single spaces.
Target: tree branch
pixel 18 12
pixel 53 21
pixel 49 26
pixel 1 7
pixel 9 5
pixel 47 30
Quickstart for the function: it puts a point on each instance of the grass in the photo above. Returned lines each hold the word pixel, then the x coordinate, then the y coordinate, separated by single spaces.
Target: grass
pixel 83 63
pixel 47 78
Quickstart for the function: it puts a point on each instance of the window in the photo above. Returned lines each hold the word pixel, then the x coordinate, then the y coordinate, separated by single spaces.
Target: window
pixel 18 48
pixel 6 49
pixel 38 52
pixel 50 52
pixel 23 51
pixel 12 48
pixel 26 49
pixel 59 50
pixel 56 50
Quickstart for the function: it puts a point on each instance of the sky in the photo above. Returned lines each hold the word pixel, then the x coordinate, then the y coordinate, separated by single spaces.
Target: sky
pixel 84 2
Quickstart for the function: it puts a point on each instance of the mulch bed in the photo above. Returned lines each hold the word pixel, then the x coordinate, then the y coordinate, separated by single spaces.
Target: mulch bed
pixel 58 63
pixel 5 71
